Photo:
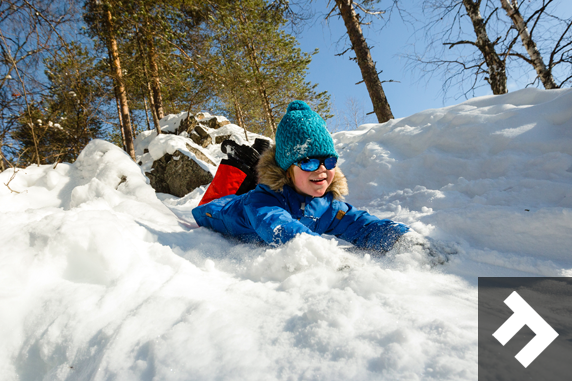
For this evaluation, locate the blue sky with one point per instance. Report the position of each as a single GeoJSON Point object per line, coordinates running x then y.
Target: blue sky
{"type": "Point", "coordinates": [338, 75]}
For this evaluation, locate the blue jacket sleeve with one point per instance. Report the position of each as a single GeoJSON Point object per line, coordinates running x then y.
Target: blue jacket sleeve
{"type": "Point", "coordinates": [274, 224]}
{"type": "Point", "coordinates": [366, 231]}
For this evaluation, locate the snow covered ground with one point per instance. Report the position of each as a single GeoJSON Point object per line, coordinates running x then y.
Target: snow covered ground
{"type": "Point", "coordinates": [101, 279]}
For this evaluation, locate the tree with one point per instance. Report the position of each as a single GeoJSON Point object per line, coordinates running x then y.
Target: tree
{"type": "Point", "coordinates": [258, 67]}
{"type": "Point", "coordinates": [100, 19]}
{"type": "Point", "coordinates": [30, 30]}
{"type": "Point", "coordinates": [69, 115]}
{"type": "Point", "coordinates": [536, 60]}
{"type": "Point", "coordinates": [460, 49]}
{"type": "Point", "coordinates": [497, 53]}
{"type": "Point", "coordinates": [359, 45]}
{"type": "Point", "coordinates": [543, 31]}
{"type": "Point", "coordinates": [350, 117]}
{"type": "Point", "coordinates": [155, 71]}
{"type": "Point", "coordinates": [495, 65]}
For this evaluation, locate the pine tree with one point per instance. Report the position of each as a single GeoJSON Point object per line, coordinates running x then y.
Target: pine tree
{"type": "Point", "coordinates": [260, 68]}
{"type": "Point", "coordinates": [69, 116]}
{"type": "Point", "coordinates": [104, 19]}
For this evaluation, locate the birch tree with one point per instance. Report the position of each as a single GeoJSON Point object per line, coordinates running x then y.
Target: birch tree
{"type": "Point", "coordinates": [495, 65]}
{"type": "Point", "coordinates": [561, 47]}
{"type": "Point", "coordinates": [461, 49]}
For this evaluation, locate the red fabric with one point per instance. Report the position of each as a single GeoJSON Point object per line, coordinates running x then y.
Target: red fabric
{"type": "Point", "coordinates": [226, 181]}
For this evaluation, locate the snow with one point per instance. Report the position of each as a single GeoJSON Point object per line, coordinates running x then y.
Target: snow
{"type": "Point", "coordinates": [103, 279]}
{"type": "Point", "coordinates": [149, 147]}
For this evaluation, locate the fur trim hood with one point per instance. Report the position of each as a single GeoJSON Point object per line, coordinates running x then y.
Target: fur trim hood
{"type": "Point", "coordinates": [270, 174]}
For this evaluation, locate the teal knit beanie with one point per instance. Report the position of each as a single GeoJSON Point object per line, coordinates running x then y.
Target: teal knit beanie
{"type": "Point", "coordinates": [302, 133]}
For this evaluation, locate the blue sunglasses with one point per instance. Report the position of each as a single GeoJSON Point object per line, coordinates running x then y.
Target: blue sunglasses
{"type": "Point", "coordinates": [310, 165]}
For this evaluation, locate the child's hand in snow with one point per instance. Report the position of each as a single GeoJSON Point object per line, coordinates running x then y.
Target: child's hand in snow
{"type": "Point", "coordinates": [415, 242]}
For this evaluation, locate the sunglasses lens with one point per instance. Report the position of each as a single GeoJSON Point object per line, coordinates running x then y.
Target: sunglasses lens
{"type": "Point", "coordinates": [330, 162]}
{"type": "Point", "coordinates": [309, 165]}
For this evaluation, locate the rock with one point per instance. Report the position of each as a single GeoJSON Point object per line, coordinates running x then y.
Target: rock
{"type": "Point", "coordinates": [215, 122]}
{"type": "Point", "coordinates": [203, 120]}
{"type": "Point", "coordinates": [185, 125]}
{"type": "Point", "coordinates": [221, 138]}
{"type": "Point", "coordinates": [157, 174]}
{"type": "Point", "coordinates": [211, 122]}
{"type": "Point", "coordinates": [199, 154]}
{"type": "Point", "coordinates": [202, 115]}
{"type": "Point", "coordinates": [222, 121]}
{"type": "Point", "coordinates": [201, 131]}
{"type": "Point", "coordinates": [183, 175]}
{"type": "Point", "coordinates": [200, 137]}
{"type": "Point", "coordinates": [178, 174]}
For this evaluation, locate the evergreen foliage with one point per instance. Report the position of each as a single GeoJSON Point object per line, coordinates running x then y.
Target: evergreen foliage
{"type": "Point", "coordinates": [259, 67]}
{"type": "Point", "coordinates": [222, 56]}
{"type": "Point", "coordinates": [69, 115]}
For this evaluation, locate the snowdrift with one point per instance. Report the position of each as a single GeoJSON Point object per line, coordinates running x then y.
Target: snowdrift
{"type": "Point", "coordinates": [102, 279]}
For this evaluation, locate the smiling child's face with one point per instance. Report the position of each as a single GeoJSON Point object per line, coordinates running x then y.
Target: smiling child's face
{"type": "Point", "coordinates": [314, 183]}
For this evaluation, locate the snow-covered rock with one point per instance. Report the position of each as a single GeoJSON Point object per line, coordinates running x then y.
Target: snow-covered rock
{"type": "Point", "coordinates": [186, 157]}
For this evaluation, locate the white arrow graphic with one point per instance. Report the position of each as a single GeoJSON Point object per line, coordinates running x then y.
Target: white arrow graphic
{"type": "Point", "coordinates": [523, 315]}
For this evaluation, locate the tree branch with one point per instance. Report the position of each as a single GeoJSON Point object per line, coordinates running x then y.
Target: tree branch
{"type": "Point", "coordinates": [368, 11]}
{"type": "Point", "coordinates": [30, 124]}
{"type": "Point", "coordinates": [463, 42]}
{"type": "Point", "coordinates": [344, 52]}
{"type": "Point", "coordinates": [556, 47]}
{"type": "Point", "coordinates": [331, 11]}
{"type": "Point", "coordinates": [491, 15]}
{"type": "Point", "coordinates": [521, 56]}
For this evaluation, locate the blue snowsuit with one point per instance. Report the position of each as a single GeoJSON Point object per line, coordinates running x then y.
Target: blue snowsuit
{"type": "Point", "coordinates": [273, 217]}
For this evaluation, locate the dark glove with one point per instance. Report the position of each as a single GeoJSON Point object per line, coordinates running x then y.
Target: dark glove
{"type": "Point", "coordinates": [245, 158]}
{"type": "Point", "coordinates": [438, 252]}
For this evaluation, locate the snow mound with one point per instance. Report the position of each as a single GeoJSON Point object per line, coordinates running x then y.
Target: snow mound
{"type": "Point", "coordinates": [494, 172]}
{"type": "Point", "coordinates": [104, 280]}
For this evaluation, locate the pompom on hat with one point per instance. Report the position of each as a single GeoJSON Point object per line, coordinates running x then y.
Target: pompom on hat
{"type": "Point", "coordinates": [302, 133]}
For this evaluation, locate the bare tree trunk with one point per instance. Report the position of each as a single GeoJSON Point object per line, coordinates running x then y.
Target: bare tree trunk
{"type": "Point", "coordinates": [156, 118]}
{"type": "Point", "coordinates": [496, 66]}
{"type": "Point", "coordinates": [118, 78]}
{"type": "Point", "coordinates": [11, 59]}
{"type": "Point", "coordinates": [146, 113]}
{"type": "Point", "coordinates": [149, 91]}
{"type": "Point", "coordinates": [544, 73]}
{"type": "Point", "coordinates": [260, 84]}
{"type": "Point", "coordinates": [155, 82]}
{"type": "Point", "coordinates": [118, 104]}
{"type": "Point", "coordinates": [367, 66]}
{"type": "Point", "coordinates": [239, 116]}
{"type": "Point", "coordinates": [3, 162]}
{"type": "Point", "coordinates": [267, 108]}
{"type": "Point", "coordinates": [261, 89]}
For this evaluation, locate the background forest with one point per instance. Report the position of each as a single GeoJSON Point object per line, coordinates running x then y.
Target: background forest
{"type": "Point", "coordinates": [72, 71]}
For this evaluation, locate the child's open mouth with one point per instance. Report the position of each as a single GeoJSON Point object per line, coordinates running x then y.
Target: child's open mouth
{"type": "Point", "coordinates": [318, 181]}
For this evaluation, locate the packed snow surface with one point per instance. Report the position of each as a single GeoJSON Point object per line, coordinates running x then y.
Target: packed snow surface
{"type": "Point", "coordinates": [102, 279]}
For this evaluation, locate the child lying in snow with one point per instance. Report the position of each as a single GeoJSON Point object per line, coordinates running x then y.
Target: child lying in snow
{"type": "Point", "coordinates": [300, 191]}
